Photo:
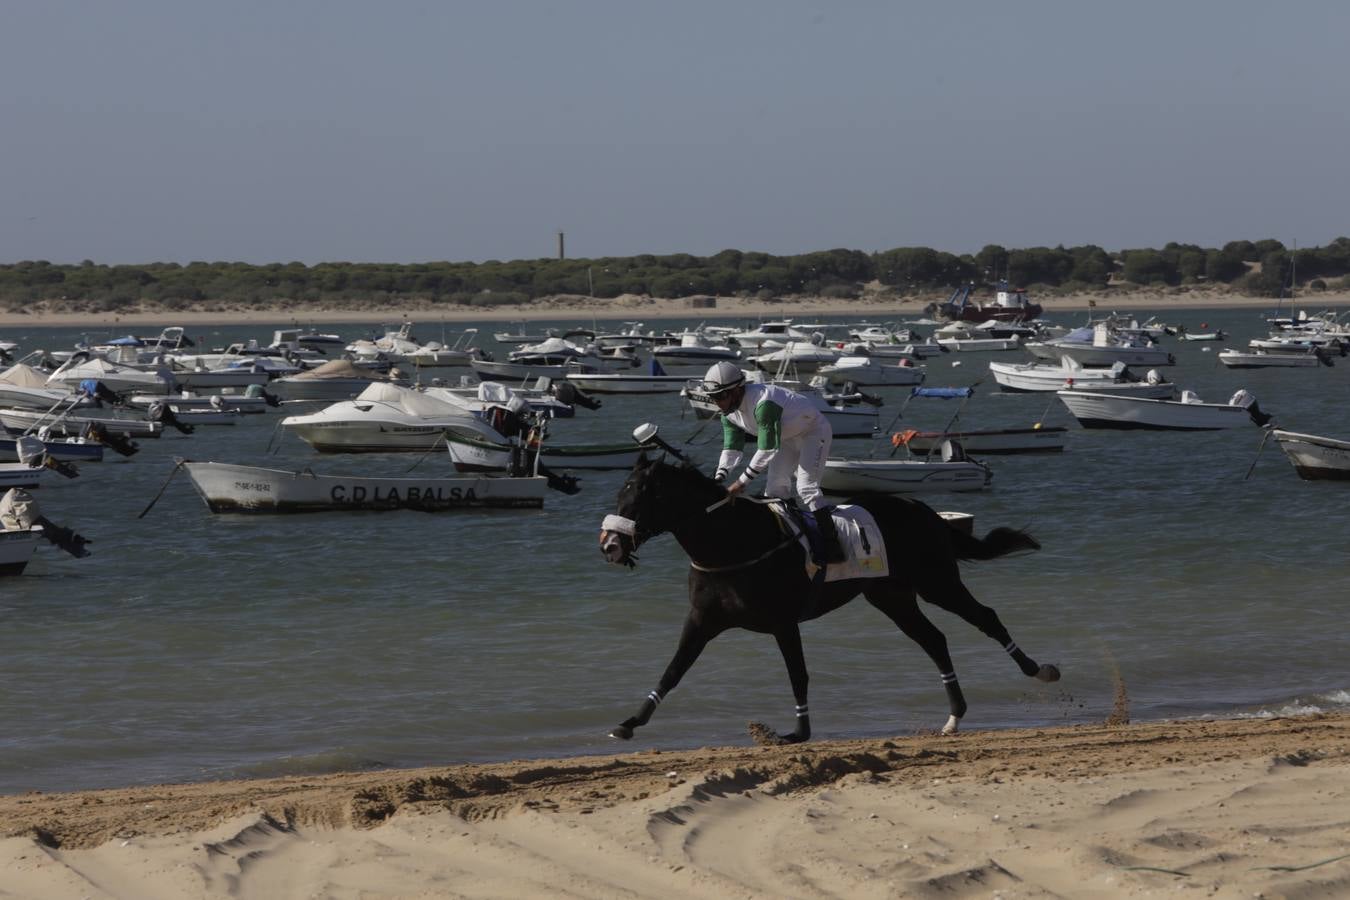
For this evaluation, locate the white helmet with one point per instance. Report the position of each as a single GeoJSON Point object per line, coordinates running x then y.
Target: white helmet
{"type": "Point", "coordinates": [722, 377]}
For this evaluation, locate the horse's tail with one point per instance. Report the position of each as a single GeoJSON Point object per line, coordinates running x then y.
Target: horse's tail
{"type": "Point", "coordinates": [999, 542]}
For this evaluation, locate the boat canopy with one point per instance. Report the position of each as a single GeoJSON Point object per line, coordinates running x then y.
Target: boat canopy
{"type": "Point", "coordinates": [338, 368]}
{"type": "Point", "coordinates": [942, 393]}
{"type": "Point", "coordinates": [413, 402]}
{"type": "Point", "coordinates": [24, 375]}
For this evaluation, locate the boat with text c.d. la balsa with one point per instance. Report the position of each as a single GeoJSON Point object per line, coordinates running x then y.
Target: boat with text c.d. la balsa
{"type": "Point", "coordinates": [234, 488]}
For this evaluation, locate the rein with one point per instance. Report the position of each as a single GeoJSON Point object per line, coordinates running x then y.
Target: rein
{"type": "Point", "coordinates": [712, 570]}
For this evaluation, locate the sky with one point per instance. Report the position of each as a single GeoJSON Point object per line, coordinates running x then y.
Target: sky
{"type": "Point", "coordinates": [183, 130]}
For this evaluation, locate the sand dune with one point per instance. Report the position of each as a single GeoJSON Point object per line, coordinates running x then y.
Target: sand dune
{"type": "Point", "coordinates": [1231, 808]}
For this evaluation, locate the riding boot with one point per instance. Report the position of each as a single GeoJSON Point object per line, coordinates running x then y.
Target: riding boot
{"type": "Point", "coordinates": [829, 537]}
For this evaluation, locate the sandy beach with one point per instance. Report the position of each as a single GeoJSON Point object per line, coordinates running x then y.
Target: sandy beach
{"type": "Point", "coordinates": [1235, 808]}
{"type": "Point", "coordinates": [582, 309]}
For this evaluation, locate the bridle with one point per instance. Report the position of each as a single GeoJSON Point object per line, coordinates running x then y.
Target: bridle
{"type": "Point", "coordinates": [639, 535]}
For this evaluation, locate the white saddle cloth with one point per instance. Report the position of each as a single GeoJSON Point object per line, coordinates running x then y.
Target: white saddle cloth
{"type": "Point", "coordinates": [860, 538]}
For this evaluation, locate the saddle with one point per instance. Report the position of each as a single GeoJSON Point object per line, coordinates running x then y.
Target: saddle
{"type": "Point", "coordinates": [859, 536]}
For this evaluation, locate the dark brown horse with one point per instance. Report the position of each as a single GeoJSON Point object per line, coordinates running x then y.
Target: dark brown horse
{"type": "Point", "coordinates": [746, 574]}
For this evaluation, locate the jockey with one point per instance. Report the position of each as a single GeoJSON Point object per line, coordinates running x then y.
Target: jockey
{"type": "Point", "coordinates": [793, 436]}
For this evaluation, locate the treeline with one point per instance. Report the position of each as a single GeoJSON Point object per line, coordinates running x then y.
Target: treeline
{"type": "Point", "coordinates": [1260, 268]}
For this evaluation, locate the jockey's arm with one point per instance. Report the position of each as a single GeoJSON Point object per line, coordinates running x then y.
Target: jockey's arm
{"type": "Point", "coordinates": [733, 444]}
{"type": "Point", "coordinates": [769, 422]}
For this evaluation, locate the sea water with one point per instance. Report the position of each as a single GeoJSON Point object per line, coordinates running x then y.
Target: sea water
{"type": "Point", "coordinates": [199, 646]}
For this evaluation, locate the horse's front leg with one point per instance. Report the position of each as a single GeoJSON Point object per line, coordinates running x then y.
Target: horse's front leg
{"type": "Point", "coordinates": [693, 639]}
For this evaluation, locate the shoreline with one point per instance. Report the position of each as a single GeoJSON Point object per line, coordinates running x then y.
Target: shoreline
{"type": "Point", "coordinates": [1233, 806]}
{"type": "Point", "coordinates": [582, 309]}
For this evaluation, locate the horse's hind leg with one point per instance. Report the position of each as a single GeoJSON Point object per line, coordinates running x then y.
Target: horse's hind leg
{"type": "Point", "coordinates": [900, 607]}
{"type": "Point", "coordinates": [693, 639]}
{"type": "Point", "coordinates": [951, 594]}
{"type": "Point", "coordinates": [789, 640]}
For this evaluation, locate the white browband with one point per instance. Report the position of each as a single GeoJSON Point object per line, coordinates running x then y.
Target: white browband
{"type": "Point", "coordinates": [619, 524]}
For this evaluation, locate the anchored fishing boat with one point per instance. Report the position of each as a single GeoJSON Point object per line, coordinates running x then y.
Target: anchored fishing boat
{"type": "Point", "coordinates": [233, 488]}
{"type": "Point", "coordinates": [1315, 458]}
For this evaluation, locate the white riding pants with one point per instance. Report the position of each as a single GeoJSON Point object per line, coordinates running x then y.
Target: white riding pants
{"type": "Point", "coordinates": [802, 456]}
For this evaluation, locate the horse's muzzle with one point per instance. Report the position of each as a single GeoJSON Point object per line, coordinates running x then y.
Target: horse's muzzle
{"type": "Point", "coordinates": [616, 547]}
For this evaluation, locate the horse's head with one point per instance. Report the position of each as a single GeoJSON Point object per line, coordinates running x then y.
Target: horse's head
{"type": "Point", "coordinates": [655, 497]}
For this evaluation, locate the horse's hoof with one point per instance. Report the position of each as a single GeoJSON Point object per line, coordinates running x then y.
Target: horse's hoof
{"type": "Point", "coordinates": [622, 732]}
{"type": "Point", "coordinates": [1047, 673]}
{"type": "Point", "coordinates": [953, 723]}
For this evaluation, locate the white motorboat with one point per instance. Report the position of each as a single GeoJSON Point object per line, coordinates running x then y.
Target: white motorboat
{"type": "Point", "coordinates": [337, 379]}
{"type": "Point", "coordinates": [75, 424]}
{"type": "Point", "coordinates": [24, 387]}
{"type": "Point", "coordinates": [869, 371]}
{"type": "Point", "coordinates": [769, 334]}
{"type": "Point", "coordinates": [903, 476]}
{"type": "Point", "coordinates": [387, 418]}
{"type": "Point", "coordinates": [693, 355]}
{"type": "Point", "coordinates": [552, 358]}
{"type": "Point", "coordinates": [62, 449]}
{"type": "Point", "coordinates": [400, 346]}
{"type": "Point", "coordinates": [20, 475]}
{"type": "Point", "coordinates": [989, 441]}
{"type": "Point", "coordinates": [522, 335]}
{"type": "Point", "coordinates": [1094, 409]}
{"type": "Point", "coordinates": [1041, 376]}
{"type": "Point", "coordinates": [117, 378]}
{"type": "Point", "coordinates": [914, 352]}
{"type": "Point", "coordinates": [1101, 346]}
{"type": "Point", "coordinates": [1315, 458]}
{"type": "Point", "coordinates": [798, 356]}
{"type": "Point", "coordinates": [965, 337]}
{"type": "Point", "coordinates": [220, 402]}
{"type": "Point", "coordinates": [655, 381]}
{"type": "Point", "coordinates": [234, 488]}
{"type": "Point", "coordinates": [1308, 358]}
{"type": "Point", "coordinates": [238, 374]}
{"type": "Point", "coordinates": [472, 454]}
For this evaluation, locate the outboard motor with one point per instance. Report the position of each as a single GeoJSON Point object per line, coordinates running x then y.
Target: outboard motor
{"type": "Point", "coordinates": [119, 443]}
{"type": "Point", "coordinates": [1324, 355]}
{"type": "Point", "coordinates": [160, 411]}
{"type": "Point", "coordinates": [567, 392]}
{"type": "Point", "coordinates": [257, 390]}
{"type": "Point", "coordinates": [100, 392]}
{"type": "Point", "coordinates": [19, 512]}
{"type": "Point", "coordinates": [33, 453]}
{"type": "Point", "coordinates": [510, 419]}
{"type": "Point", "coordinates": [1247, 401]}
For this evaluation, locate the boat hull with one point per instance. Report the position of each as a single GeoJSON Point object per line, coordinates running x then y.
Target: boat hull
{"type": "Point", "coordinates": [471, 455]}
{"type": "Point", "coordinates": [16, 549]}
{"type": "Point", "coordinates": [62, 451]}
{"type": "Point", "coordinates": [1100, 410]}
{"type": "Point", "coordinates": [1315, 458]}
{"type": "Point", "coordinates": [615, 383]}
{"type": "Point", "coordinates": [22, 419]}
{"type": "Point", "coordinates": [902, 476]}
{"type": "Point", "coordinates": [992, 441]}
{"type": "Point", "coordinates": [232, 488]}
{"type": "Point", "coordinates": [1236, 359]}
